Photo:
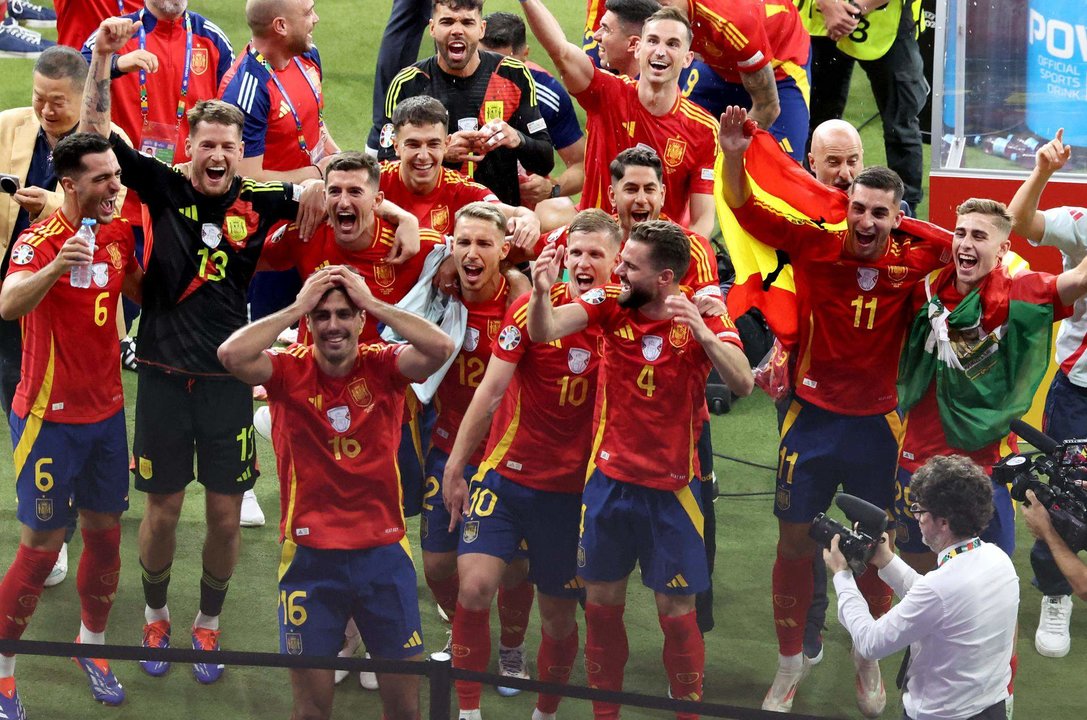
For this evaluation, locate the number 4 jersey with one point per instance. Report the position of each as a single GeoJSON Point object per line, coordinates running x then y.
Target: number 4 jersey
{"type": "Point", "coordinates": [652, 395]}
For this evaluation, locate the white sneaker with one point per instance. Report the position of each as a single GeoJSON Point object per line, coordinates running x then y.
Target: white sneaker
{"type": "Point", "coordinates": [262, 422]}
{"type": "Point", "coordinates": [368, 680]}
{"type": "Point", "coordinates": [1052, 638]}
{"type": "Point", "coordinates": [60, 569]}
{"type": "Point", "coordinates": [443, 616]}
{"type": "Point", "coordinates": [470, 715]}
{"type": "Point", "coordinates": [511, 663]}
{"type": "Point", "coordinates": [791, 670]}
{"type": "Point", "coordinates": [537, 715]}
{"type": "Point", "coordinates": [252, 515]}
{"type": "Point", "coordinates": [350, 645]}
{"type": "Point", "coordinates": [871, 695]}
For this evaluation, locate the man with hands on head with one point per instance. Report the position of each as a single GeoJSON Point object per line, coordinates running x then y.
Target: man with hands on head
{"type": "Point", "coordinates": [959, 619]}
{"type": "Point", "coordinates": [658, 351]}
{"type": "Point", "coordinates": [209, 230]}
{"type": "Point", "coordinates": [345, 554]}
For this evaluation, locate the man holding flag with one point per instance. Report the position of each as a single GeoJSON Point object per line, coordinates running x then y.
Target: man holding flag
{"type": "Point", "coordinates": [856, 259]}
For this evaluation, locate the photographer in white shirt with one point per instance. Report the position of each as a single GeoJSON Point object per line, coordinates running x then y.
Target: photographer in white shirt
{"type": "Point", "coordinates": [959, 619]}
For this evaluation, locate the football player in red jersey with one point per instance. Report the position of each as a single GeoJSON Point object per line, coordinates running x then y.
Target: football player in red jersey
{"type": "Point", "coordinates": [345, 554]}
{"type": "Point", "coordinates": [853, 287]}
{"type": "Point", "coordinates": [651, 110]}
{"type": "Point", "coordinates": [479, 246]}
{"type": "Point", "coordinates": [530, 487]}
{"type": "Point", "coordinates": [640, 507]}
{"type": "Point", "coordinates": [68, 420]}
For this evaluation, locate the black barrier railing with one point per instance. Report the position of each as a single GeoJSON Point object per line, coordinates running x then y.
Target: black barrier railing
{"type": "Point", "coordinates": [438, 670]}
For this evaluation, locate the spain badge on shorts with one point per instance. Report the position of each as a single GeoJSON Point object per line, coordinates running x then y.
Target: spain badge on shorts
{"type": "Point", "coordinates": [43, 509]}
{"type": "Point", "coordinates": [293, 642]}
{"type": "Point", "coordinates": [471, 531]}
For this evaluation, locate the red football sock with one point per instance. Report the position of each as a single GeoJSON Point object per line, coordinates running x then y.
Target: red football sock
{"type": "Point", "coordinates": [875, 591]}
{"type": "Point", "coordinates": [21, 588]}
{"type": "Point", "coordinates": [99, 571]}
{"type": "Point", "coordinates": [606, 653]}
{"type": "Point", "coordinates": [684, 658]}
{"type": "Point", "coordinates": [553, 663]}
{"type": "Point", "coordinates": [514, 607]}
{"type": "Point", "coordinates": [1015, 671]}
{"type": "Point", "coordinates": [471, 650]}
{"type": "Point", "coordinates": [445, 593]}
{"type": "Point", "coordinates": [792, 592]}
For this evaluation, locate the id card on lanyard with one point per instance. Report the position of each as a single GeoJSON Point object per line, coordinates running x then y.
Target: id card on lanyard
{"type": "Point", "coordinates": [317, 153]}
{"type": "Point", "coordinates": [159, 140]}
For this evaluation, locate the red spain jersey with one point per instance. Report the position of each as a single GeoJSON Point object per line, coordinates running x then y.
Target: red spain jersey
{"type": "Point", "coordinates": [77, 19]}
{"type": "Point", "coordinates": [70, 369]}
{"type": "Point", "coordinates": [701, 277]}
{"type": "Point", "coordinates": [542, 433]}
{"type": "Point", "coordinates": [466, 373]}
{"type": "Point", "coordinates": [389, 283]}
{"type": "Point", "coordinates": [162, 129]}
{"type": "Point", "coordinates": [652, 396]}
{"type": "Point", "coordinates": [742, 36]}
{"type": "Point", "coordinates": [437, 209]}
{"type": "Point", "coordinates": [685, 138]}
{"type": "Point", "coordinates": [925, 437]}
{"type": "Point", "coordinates": [271, 103]}
{"type": "Point", "coordinates": [853, 315]}
{"type": "Point", "coordinates": [336, 441]}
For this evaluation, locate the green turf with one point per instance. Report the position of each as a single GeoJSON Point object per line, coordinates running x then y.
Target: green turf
{"type": "Point", "coordinates": [741, 652]}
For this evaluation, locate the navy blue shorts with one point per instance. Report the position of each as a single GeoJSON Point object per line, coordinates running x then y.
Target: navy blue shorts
{"type": "Point", "coordinates": [508, 520]}
{"type": "Point", "coordinates": [791, 126]}
{"type": "Point", "coordinates": [61, 464]}
{"type": "Point", "coordinates": [623, 524]}
{"type": "Point", "coordinates": [434, 524]}
{"type": "Point", "coordinates": [822, 450]}
{"type": "Point", "coordinates": [320, 589]}
{"type": "Point", "coordinates": [1001, 529]}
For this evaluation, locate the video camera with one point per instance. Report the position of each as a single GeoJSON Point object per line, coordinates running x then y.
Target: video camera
{"type": "Point", "coordinates": [1065, 464]}
{"type": "Point", "coordinates": [858, 543]}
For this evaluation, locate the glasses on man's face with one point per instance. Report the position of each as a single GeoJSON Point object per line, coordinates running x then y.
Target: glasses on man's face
{"type": "Point", "coordinates": [916, 509]}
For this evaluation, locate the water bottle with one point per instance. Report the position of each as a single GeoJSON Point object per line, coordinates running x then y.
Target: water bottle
{"type": "Point", "coordinates": [81, 274]}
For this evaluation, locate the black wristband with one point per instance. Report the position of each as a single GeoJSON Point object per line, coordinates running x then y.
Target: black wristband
{"type": "Point", "coordinates": [114, 71]}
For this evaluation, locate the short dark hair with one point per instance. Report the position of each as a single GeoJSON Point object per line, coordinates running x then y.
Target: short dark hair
{"type": "Point", "coordinates": [340, 289]}
{"type": "Point", "coordinates": [459, 5]}
{"type": "Point", "coordinates": [636, 157]}
{"type": "Point", "coordinates": [956, 489]}
{"type": "Point", "coordinates": [350, 161]}
{"type": "Point", "coordinates": [671, 13]}
{"type": "Point", "coordinates": [504, 29]}
{"type": "Point", "coordinates": [215, 112]}
{"type": "Point", "coordinates": [878, 177]}
{"type": "Point", "coordinates": [596, 220]}
{"type": "Point", "coordinates": [62, 63]}
{"type": "Point", "coordinates": [669, 247]}
{"type": "Point", "coordinates": [69, 153]}
{"type": "Point", "coordinates": [420, 110]}
{"type": "Point", "coordinates": [632, 13]}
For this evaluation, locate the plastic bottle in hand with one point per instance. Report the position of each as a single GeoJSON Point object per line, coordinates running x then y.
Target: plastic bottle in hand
{"type": "Point", "coordinates": [81, 274]}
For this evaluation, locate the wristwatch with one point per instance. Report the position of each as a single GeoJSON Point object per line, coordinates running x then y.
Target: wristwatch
{"type": "Point", "coordinates": [556, 190]}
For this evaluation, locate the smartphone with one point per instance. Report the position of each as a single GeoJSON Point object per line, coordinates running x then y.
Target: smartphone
{"type": "Point", "coordinates": [9, 183]}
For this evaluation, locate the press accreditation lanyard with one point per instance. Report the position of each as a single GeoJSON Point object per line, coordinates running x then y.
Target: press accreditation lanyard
{"type": "Point", "coordinates": [959, 550]}
{"type": "Point", "coordinates": [287, 98]}
{"type": "Point", "coordinates": [144, 109]}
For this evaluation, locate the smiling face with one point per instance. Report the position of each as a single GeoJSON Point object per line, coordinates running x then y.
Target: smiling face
{"type": "Point", "coordinates": [457, 34]}
{"type": "Point", "coordinates": [591, 258]}
{"type": "Point", "coordinates": [614, 43]}
{"type": "Point", "coordinates": [870, 218]}
{"type": "Point", "coordinates": [336, 325]}
{"type": "Point", "coordinates": [56, 104]}
{"type": "Point", "coordinates": [638, 196]}
{"type": "Point", "coordinates": [478, 250]}
{"type": "Point", "coordinates": [300, 18]}
{"type": "Point", "coordinates": [95, 188]}
{"type": "Point", "coordinates": [663, 52]}
{"type": "Point", "coordinates": [215, 150]}
{"type": "Point", "coordinates": [349, 200]}
{"type": "Point", "coordinates": [978, 248]}
{"type": "Point", "coordinates": [421, 149]}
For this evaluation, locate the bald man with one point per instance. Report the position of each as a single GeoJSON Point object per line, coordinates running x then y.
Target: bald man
{"type": "Point", "coordinates": [836, 154]}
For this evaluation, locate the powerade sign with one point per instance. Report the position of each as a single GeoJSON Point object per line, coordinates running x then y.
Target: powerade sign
{"type": "Point", "coordinates": [1057, 69]}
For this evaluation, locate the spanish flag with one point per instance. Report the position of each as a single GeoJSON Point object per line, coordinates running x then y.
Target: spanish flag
{"type": "Point", "coordinates": [764, 277]}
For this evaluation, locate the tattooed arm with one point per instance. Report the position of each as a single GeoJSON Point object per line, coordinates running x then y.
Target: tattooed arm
{"type": "Point", "coordinates": [763, 89]}
{"type": "Point", "coordinates": [112, 35]}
